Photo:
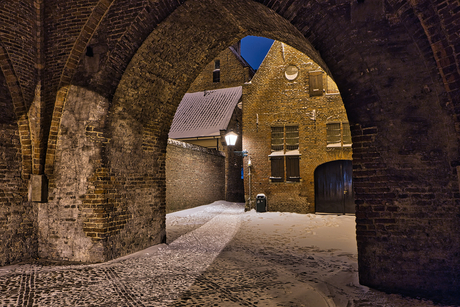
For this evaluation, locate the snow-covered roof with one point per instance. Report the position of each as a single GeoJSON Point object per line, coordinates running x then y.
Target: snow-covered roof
{"type": "Point", "coordinates": [204, 113]}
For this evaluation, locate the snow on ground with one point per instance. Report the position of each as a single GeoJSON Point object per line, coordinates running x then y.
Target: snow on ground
{"type": "Point", "coordinates": [217, 255]}
{"type": "Point", "coordinates": [283, 259]}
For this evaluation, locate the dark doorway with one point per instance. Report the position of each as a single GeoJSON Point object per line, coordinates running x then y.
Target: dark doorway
{"type": "Point", "coordinates": [334, 188]}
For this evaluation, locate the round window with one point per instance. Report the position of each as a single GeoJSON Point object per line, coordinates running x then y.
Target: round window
{"type": "Point", "coordinates": [291, 72]}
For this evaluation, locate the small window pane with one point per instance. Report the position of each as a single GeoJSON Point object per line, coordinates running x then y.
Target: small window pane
{"type": "Point", "coordinates": [333, 134]}
{"type": "Point", "coordinates": [277, 138]}
{"type": "Point", "coordinates": [217, 64]}
{"type": "Point", "coordinates": [292, 137]}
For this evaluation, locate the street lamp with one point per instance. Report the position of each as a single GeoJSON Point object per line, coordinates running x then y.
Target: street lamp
{"type": "Point", "coordinates": [230, 138]}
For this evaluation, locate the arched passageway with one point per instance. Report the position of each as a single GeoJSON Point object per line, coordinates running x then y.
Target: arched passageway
{"type": "Point", "coordinates": [106, 111]}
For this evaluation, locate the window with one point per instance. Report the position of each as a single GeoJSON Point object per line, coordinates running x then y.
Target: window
{"type": "Point", "coordinates": [277, 138]}
{"type": "Point", "coordinates": [316, 83]}
{"type": "Point", "coordinates": [292, 138]}
{"type": "Point", "coordinates": [285, 154]}
{"type": "Point", "coordinates": [216, 71]}
{"type": "Point", "coordinates": [338, 135]}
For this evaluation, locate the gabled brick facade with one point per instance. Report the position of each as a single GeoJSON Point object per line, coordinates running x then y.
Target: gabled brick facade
{"type": "Point", "coordinates": [234, 71]}
{"type": "Point", "coordinates": [271, 99]}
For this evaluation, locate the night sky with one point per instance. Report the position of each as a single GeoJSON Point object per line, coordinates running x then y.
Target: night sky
{"type": "Point", "coordinates": [254, 49]}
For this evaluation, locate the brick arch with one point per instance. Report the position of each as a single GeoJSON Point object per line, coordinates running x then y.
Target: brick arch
{"type": "Point", "coordinates": [20, 111]}
{"type": "Point", "coordinates": [105, 14]}
{"type": "Point", "coordinates": [437, 25]}
{"type": "Point", "coordinates": [162, 50]}
{"type": "Point", "coordinates": [79, 47]}
{"type": "Point", "coordinates": [398, 75]}
{"type": "Point", "coordinates": [438, 28]}
{"type": "Point", "coordinates": [127, 24]}
{"type": "Point", "coordinates": [403, 130]}
{"type": "Point", "coordinates": [68, 72]}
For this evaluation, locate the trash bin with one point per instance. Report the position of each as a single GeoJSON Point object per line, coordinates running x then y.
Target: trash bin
{"type": "Point", "coordinates": [261, 203]}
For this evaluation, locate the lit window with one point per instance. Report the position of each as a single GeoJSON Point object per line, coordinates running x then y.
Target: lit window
{"type": "Point", "coordinates": [285, 154]}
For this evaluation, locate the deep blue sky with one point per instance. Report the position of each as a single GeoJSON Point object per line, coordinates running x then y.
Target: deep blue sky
{"type": "Point", "coordinates": [254, 49]}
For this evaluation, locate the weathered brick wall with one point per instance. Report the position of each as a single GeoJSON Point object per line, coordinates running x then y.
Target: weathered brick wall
{"type": "Point", "coordinates": [17, 216]}
{"type": "Point", "coordinates": [272, 100]}
{"type": "Point", "coordinates": [194, 176]}
{"type": "Point", "coordinates": [72, 204]}
{"type": "Point", "coordinates": [404, 176]}
{"type": "Point", "coordinates": [135, 198]}
{"type": "Point", "coordinates": [106, 186]}
{"type": "Point", "coordinates": [115, 39]}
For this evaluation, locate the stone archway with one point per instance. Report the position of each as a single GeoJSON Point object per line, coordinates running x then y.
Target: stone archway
{"type": "Point", "coordinates": [394, 64]}
{"type": "Point", "coordinates": [403, 161]}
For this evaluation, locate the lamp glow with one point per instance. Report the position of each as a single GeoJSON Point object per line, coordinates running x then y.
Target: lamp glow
{"type": "Point", "coordinates": [230, 138]}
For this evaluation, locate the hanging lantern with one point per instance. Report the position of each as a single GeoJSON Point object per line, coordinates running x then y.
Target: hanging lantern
{"type": "Point", "coordinates": [230, 138]}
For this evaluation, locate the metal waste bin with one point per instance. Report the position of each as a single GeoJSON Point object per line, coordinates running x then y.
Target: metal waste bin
{"type": "Point", "coordinates": [261, 203]}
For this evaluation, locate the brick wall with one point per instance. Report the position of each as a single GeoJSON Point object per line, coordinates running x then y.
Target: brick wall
{"type": "Point", "coordinates": [234, 185]}
{"type": "Point", "coordinates": [194, 176]}
{"type": "Point", "coordinates": [272, 100]}
{"type": "Point", "coordinates": [17, 215]}
{"type": "Point", "coordinates": [394, 61]}
{"type": "Point", "coordinates": [64, 221]}
{"type": "Point", "coordinates": [18, 20]}
{"type": "Point", "coordinates": [107, 186]}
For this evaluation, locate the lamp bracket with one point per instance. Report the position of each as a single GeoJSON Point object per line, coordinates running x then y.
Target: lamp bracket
{"type": "Point", "coordinates": [243, 153]}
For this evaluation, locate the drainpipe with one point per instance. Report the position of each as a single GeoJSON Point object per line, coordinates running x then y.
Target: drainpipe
{"type": "Point", "coordinates": [249, 179]}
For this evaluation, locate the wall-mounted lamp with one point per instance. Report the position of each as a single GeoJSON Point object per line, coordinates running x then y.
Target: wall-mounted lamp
{"type": "Point", "coordinates": [230, 138]}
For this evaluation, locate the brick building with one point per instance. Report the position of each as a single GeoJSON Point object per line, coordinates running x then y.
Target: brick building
{"type": "Point", "coordinates": [228, 69]}
{"type": "Point", "coordinates": [293, 121]}
{"type": "Point", "coordinates": [88, 90]}
{"type": "Point", "coordinates": [210, 108]}
{"type": "Point", "coordinates": [192, 124]}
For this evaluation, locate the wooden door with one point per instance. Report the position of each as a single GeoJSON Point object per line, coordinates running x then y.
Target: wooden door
{"type": "Point", "coordinates": [334, 188]}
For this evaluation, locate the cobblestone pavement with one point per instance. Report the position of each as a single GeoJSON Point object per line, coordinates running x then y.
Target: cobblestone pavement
{"type": "Point", "coordinates": [214, 258]}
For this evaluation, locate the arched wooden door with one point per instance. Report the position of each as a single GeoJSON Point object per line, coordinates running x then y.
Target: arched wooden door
{"type": "Point", "coordinates": [334, 187]}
